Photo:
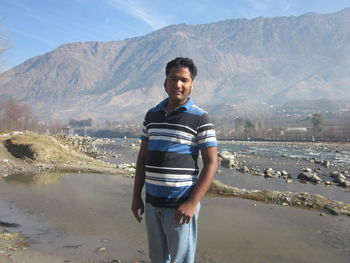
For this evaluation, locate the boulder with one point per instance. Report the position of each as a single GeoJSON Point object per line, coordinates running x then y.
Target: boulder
{"type": "Point", "coordinates": [309, 177]}
{"type": "Point", "coordinates": [326, 164]}
{"type": "Point", "coordinates": [226, 155]}
{"type": "Point", "coordinates": [244, 169]}
{"type": "Point", "coordinates": [228, 163]}
{"type": "Point", "coordinates": [306, 170]}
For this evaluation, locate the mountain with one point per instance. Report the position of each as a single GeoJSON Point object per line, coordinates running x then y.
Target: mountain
{"type": "Point", "coordinates": [248, 62]}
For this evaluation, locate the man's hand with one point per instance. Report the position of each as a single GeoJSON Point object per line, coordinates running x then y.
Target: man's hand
{"type": "Point", "coordinates": [185, 212]}
{"type": "Point", "coordinates": [138, 208]}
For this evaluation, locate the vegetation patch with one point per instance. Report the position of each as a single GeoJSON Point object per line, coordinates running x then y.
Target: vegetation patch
{"type": "Point", "coordinates": [302, 200]}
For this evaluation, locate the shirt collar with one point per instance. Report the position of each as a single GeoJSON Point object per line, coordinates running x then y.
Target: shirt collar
{"type": "Point", "coordinates": [185, 106]}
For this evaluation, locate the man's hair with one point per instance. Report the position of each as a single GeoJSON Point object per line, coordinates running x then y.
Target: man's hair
{"type": "Point", "coordinates": [182, 62]}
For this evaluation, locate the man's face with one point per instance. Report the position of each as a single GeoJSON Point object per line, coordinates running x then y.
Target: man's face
{"type": "Point", "coordinates": [178, 84]}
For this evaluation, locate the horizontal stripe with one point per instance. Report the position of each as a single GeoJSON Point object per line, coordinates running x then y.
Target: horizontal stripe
{"type": "Point", "coordinates": [168, 183]}
{"type": "Point", "coordinates": [174, 171]}
{"type": "Point", "coordinates": [171, 125]}
{"type": "Point", "coordinates": [205, 125]}
{"type": "Point", "coordinates": [206, 133]}
{"type": "Point", "coordinates": [208, 144]}
{"type": "Point", "coordinates": [171, 139]}
{"type": "Point", "coordinates": [170, 146]}
{"type": "Point", "coordinates": [172, 133]}
{"type": "Point", "coordinates": [168, 191]}
{"type": "Point", "coordinates": [172, 159]}
{"type": "Point", "coordinates": [165, 202]}
{"type": "Point", "coordinates": [171, 168]}
{"type": "Point", "coordinates": [164, 176]}
{"type": "Point", "coordinates": [151, 179]}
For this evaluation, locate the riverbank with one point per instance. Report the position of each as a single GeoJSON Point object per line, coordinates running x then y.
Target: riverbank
{"type": "Point", "coordinates": [33, 153]}
{"type": "Point", "coordinates": [39, 160]}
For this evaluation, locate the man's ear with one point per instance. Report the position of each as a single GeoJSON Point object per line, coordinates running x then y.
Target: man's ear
{"type": "Point", "coordinates": [164, 84]}
{"type": "Point", "coordinates": [191, 89]}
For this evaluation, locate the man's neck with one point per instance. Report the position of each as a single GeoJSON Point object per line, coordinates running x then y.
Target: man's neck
{"type": "Point", "coordinates": [173, 105]}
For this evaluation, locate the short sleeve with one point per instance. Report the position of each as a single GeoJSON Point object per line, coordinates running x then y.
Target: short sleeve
{"type": "Point", "coordinates": [206, 136]}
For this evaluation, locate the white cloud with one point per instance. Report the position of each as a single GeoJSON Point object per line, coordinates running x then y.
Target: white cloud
{"type": "Point", "coordinates": [134, 9]}
{"type": "Point", "coordinates": [258, 5]}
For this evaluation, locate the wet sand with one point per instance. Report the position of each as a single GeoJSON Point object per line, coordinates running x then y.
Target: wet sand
{"type": "Point", "coordinates": [87, 218]}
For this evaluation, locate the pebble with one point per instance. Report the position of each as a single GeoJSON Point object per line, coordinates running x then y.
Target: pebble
{"type": "Point", "coordinates": [101, 249]}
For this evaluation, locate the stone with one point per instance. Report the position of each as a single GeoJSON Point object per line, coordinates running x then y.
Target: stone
{"type": "Point", "coordinates": [101, 249]}
{"type": "Point", "coordinates": [309, 177]}
{"type": "Point", "coordinates": [224, 155]}
{"type": "Point", "coordinates": [289, 179]}
{"type": "Point", "coordinates": [284, 172]}
{"type": "Point", "coordinates": [228, 163]}
{"type": "Point", "coordinates": [333, 211]}
{"type": "Point", "coordinates": [244, 169]}
{"type": "Point", "coordinates": [307, 170]}
{"type": "Point", "coordinates": [326, 164]}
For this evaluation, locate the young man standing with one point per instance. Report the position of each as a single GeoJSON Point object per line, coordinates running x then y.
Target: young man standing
{"type": "Point", "coordinates": [173, 134]}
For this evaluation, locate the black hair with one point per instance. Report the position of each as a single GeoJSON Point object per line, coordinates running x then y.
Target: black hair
{"type": "Point", "coordinates": [182, 62]}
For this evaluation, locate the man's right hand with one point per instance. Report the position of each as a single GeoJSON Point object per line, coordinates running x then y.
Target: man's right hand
{"type": "Point", "coordinates": [138, 208]}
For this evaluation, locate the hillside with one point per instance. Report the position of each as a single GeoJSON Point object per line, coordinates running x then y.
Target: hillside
{"type": "Point", "coordinates": [243, 63]}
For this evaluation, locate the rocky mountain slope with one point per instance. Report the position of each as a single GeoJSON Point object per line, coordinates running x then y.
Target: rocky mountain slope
{"type": "Point", "coordinates": [241, 62]}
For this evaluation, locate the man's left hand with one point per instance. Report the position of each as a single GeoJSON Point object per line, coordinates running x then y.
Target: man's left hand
{"type": "Point", "coordinates": [184, 213]}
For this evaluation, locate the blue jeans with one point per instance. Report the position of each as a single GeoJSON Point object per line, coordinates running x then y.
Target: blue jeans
{"type": "Point", "coordinates": [168, 241]}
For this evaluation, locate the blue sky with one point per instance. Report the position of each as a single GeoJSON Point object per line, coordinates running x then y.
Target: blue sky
{"type": "Point", "coordinates": [34, 27]}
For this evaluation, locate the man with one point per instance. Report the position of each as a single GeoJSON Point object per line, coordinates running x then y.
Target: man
{"type": "Point", "coordinates": [173, 134]}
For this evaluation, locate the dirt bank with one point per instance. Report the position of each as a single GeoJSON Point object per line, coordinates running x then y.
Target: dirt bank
{"type": "Point", "coordinates": [28, 152]}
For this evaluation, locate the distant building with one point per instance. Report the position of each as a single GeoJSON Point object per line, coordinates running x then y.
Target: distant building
{"type": "Point", "coordinates": [296, 129]}
{"type": "Point", "coordinates": [67, 131]}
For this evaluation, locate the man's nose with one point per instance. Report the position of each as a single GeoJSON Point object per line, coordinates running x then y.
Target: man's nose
{"type": "Point", "coordinates": [178, 83]}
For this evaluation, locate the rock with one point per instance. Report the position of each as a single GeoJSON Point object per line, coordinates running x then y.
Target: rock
{"type": "Point", "coordinates": [226, 155]}
{"type": "Point", "coordinates": [338, 176]}
{"type": "Point", "coordinates": [289, 179]}
{"type": "Point", "coordinates": [228, 163]}
{"type": "Point", "coordinates": [333, 211]}
{"type": "Point", "coordinates": [342, 182]}
{"type": "Point", "coordinates": [7, 224]}
{"type": "Point", "coordinates": [309, 177]}
{"type": "Point", "coordinates": [244, 169]}
{"type": "Point", "coordinates": [101, 249]}
{"type": "Point", "coordinates": [270, 173]}
{"type": "Point", "coordinates": [326, 164]}
{"type": "Point", "coordinates": [284, 172]}
{"type": "Point", "coordinates": [307, 170]}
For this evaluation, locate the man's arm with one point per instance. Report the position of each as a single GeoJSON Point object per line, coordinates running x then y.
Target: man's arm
{"type": "Point", "coordinates": [186, 211]}
{"type": "Point", "coordinates": [137, 206]}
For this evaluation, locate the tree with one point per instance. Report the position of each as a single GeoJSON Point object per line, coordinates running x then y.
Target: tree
{"type": "Point", "coordinates": [239, 125]}
{"type": "Point", "coordinates": [317, 121]}
{"type": "Point", "coordinates": [80, 123]}
{"type": "Point", "coordinates": [15, 115]}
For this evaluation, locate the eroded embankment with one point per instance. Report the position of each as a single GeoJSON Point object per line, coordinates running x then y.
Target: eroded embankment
{"type": "Point", "coordinates": [28, 152]}
{"type": "Point", "coordinates": [302, 200]}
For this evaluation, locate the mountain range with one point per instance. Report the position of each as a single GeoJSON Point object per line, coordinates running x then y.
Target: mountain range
{"type": "Point", "coordinates": [243, 65]}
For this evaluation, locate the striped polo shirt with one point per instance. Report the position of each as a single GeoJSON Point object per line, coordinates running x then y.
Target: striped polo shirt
{"type": "Point", "coordinates": [174, 141]}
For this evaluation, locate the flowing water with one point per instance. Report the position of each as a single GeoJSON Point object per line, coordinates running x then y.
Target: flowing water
{"type": "Point", "coordinates": [87, 218]}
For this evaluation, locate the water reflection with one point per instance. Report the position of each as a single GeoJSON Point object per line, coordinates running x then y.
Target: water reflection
{"type": "Point", "coordinates": [34, 179]}
{"type": "Point", "coordinates": [81, 213]}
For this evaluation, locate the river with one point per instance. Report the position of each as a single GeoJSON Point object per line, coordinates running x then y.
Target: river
{"type": "Point", "coordinates": [87, 218]}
